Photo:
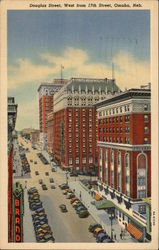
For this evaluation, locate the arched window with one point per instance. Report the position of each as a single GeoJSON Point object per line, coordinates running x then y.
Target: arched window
{"type": "Point", "coordinates": [141, 175]}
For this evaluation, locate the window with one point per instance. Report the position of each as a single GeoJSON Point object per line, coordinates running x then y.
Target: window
{"type": "Point", "coordinates": [145, 107]}
{"type": "Point", "coordinates": [70, 161]}
{"type": "Point", "coordinates": [109, 120]}
{"type": "Point", "coordinates": [127, 129]}
{"type": "Point", "coordinates": [141, 194]}
{"type": "Point", "coordinates": [145, 140]}
{"type": "Point", "coordinates": [110, 130]}
{"type": "Point", "coordinates": [117, 130]}
{"type": "Point", "coordinates": [127, 118]}
{"type": "Point", "coordinates": [113, 130]}
{"type": "Point", "coordinates": [120, 109]}
{"type": "Point", "coordinates": [121, 129]}
{"type": "Point", "coordinates": [121, 140]}
{"type": "Point", "coordinates": [117, 110]}
{"type": "Point", "coordinates": [121, 118]}
{"type": "Point", "coordinates": [113, 119]}
{"type": "Point", "coordinates": [146, 118]}
{"type": "Point", "coordinates": [142, 209]}
{"type": "Point", "coordinates": [117, 119]}
{"type": "Point", "coordinates": [146, 130]}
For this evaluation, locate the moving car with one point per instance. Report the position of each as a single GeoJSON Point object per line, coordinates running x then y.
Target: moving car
{"type": "Point", "coordinates": [44, 187]}
{"type": "Point", "coordinates": [80, 208]}
{"type": "Point", "coordinates": [40, 181]}
{"type": "Point", "coordinates": [63, 208]}
{"type": "Point", "coordinates": [63, 186]}
{"type": "Point", "coordinates": [35, 162]}
{"type": "Point", "coordinates": [36, 173]}
{"type": "Point", "coordinates": [52, 186]}
{"type": "Point", "coordinates": [47, 173]}
{"type": "Point", "coordinates": [93, 226]}
{"type": "Point", "coordinates": [51, 180]}
{"type": "Point", "coordinates": [53, 170]}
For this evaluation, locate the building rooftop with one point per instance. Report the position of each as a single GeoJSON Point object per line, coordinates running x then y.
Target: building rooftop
{"type": "Point", "coordinates": [128, 94]}
{"type": "Point", "coordinates": [92, 83]}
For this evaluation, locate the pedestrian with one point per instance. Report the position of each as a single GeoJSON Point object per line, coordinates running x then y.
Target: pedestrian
{"type": "Point", "coordinates": [120, 236]}
{"type": "Point", "coordinates": [80, 195]}
{"type": "Point", "coordinates": [114, 236]}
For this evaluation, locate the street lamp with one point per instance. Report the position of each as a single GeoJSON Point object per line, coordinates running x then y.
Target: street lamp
{"type": "Point", "coordinates": [111, 217]}
{"type": "Point", "coordinates": [66, 177]}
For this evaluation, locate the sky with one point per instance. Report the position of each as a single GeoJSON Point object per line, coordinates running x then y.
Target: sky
{"type": "Point", "coordinates": [85, 42]}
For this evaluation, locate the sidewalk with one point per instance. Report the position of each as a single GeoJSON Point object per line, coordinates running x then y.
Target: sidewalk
{"type": "Point", "coordinates": [100, 216]}
{"type": "Point", "coordinates": [28, 229]}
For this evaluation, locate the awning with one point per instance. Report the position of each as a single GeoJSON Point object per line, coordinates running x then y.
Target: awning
{"type": "Point", "coordinates": [65, 166]}
{"type": "Point", "coordinates": [104, 204]}
{"type": "Point", "coordinates": [97, 197]}
{"type": "Point", "coordinates": [136, 233]}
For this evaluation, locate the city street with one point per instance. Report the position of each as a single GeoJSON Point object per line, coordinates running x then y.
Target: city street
{"type": "Point", "coordinates": [66, 227]}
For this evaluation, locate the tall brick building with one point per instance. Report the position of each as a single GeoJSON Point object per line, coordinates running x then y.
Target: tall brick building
{"type": "Point", "coordinates": [46, 92]}
{"type": "Point", "coordinates": [75, 121]}
{"type": "Point", "coordinates": [124, 152]}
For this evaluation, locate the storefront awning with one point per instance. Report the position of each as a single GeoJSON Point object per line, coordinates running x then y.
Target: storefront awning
{"type": "Point", "coordinates": [97, 197]}
{"type": "Point", "coordinates": [135, 232]}
{"type": "Point", "coordinates": [104, 204]}
{"type": "Point", "coordinates": [65, 166]}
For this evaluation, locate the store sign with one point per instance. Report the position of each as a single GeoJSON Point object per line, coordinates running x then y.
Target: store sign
{"type": "Point", "coordinates": [17, 221]}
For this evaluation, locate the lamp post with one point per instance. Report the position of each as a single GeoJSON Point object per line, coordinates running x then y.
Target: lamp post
{"type": "Point", "coordinates": [111, 217]}
{"type": "Point", "coordinates": [66, 177]}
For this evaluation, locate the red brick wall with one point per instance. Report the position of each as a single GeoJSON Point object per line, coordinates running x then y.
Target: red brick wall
{"type": "Point", "coordinates": [58, 118]}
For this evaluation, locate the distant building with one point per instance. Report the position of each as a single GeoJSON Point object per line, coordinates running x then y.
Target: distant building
{"type": "Point", "coordinates": [34, 137]}
{"type": "Point", "coordinates": [75, 121]}
{"type": "Point", "coordinates": [124, 155]}
{"type": "Point", "coordinates": [46, 92]}
{"type": "Point", "coordinates": [12, 115]}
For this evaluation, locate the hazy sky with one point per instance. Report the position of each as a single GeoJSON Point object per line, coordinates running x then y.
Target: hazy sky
{"type": "Point", "coordinates": [84, 42]}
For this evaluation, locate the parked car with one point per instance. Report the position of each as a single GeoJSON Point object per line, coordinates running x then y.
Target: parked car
{"type": "Point", "coordinates": [31, 160]}
{"type": "Point", "coordinates": [74, 199]}
{"type": "Point", "coordinates": [46, 238]}
{"type": "Point", "coordinates": [73, 174]}
{"type": "Point", "coordinates": [80, 208]}
{"type": "Point", "coordinates": [34, 206]}
{"type": "Point", "coordinates": [32, 190]}
{"type": "Point", "coordinates": [101, 236]}
{"type": "Point", "coordinates": [77, 204]}
{"type": "Point", "coordinates": [35, 162]}
{"type": "Point", "coordinates": [93, 226]}
{"type": "Point", "coordinates": [40, 210]}
{"type": "Point", "coordinates": [97, 231]}
{"type": "Point", "coordinates": [63, 208]}
{"type": "Point", "coordinates": [36, 173]}
{"type": "Point", "coordinates": [83, 213]}
{"type": "Point", "coordinates": [53, 170]}
{"type": "Point", "coordinates": [70, 195]}
{"type": "Point", "coordinates": [47, 173]}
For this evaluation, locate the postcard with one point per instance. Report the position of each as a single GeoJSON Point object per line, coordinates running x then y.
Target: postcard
{"type": "Point", "coordinates": [79, 124]}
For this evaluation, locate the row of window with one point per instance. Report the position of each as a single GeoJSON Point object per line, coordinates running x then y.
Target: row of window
{"type": "Point", "coordinates": [83, 160]}
{"type": "Point", "coordinates": [119, 139]}
{"type": "Point", "coordinates": [119, 119]}
{"type": "Point", "coordinates": [122, 109]}
{"type": "Point", "coordinates": [109, 130]}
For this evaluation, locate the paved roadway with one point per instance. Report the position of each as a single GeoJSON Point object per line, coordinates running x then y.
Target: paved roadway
{"type": "Point", "coordinates": [66, 227]}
